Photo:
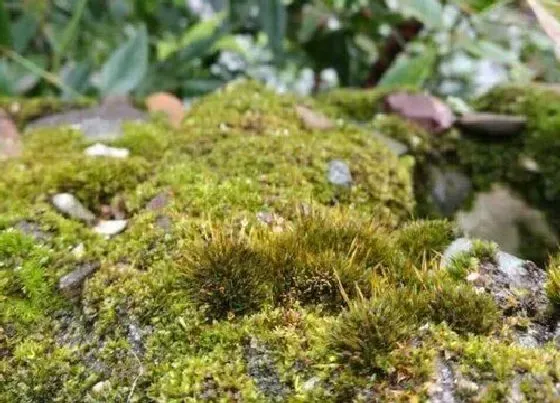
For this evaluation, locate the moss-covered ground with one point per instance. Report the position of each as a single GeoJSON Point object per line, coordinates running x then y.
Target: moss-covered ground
{"type": "Point", "coordinates": [335, 295]}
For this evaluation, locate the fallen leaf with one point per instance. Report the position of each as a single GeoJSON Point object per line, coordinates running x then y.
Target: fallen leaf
{"type": "Point", "coordinates": [313, 120]}
{"type": "Point", "coordinates": [427, 111]}
{"type": "Point", "coordinates": [169, 104]}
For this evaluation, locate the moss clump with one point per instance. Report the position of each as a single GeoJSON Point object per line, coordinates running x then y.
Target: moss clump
{"type": "Point", "coordinates": [255, 279]}
{"type": "Point", "coordinates": [359, 105]}
{"type": "Point", "coordinates": [502, 160]}
{"type": "Point", "coordinates": [23, 110]}
{"type": "Point", "coordinates": [424, 240]}
{"type": "Point", "coordinates": [553, 282]}
{"type": "Point", "coordinates": [27, 289]}
{"type": "Point", "coordinates": [372, 327]}
{"type": "Point", "coordinates": [228, 277]}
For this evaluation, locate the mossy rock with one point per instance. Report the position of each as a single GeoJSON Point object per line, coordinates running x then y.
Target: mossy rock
{"type": "Point", "coordinates": [257, 279]}
{"type": "Point", "coordinates": [505, 160]}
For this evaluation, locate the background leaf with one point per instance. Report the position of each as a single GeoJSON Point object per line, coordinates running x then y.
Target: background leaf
{"type": "Point", "coordinates": [549, 23]}
{"type": "Point", "coordinates": [126, 67]}
{"type": "Point", "coordinates": [69, 33]}
{"type": "Point", "coordinates": [410, 71]}
{"type": "Point", "coordinates": [5, 26]}
{"type": "Point", "coordinates": [428, 12]}
{"type": "Point", "coordinates": [273, 18]}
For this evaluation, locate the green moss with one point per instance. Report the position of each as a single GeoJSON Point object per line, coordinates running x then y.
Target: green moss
{"type": "Point", "coordinates": [355, 104]}
{"type": "Point", "coordinates": [553, 282]}
{"type": "Point", "coordinates": [258, 280]}
{"type": "Point", "coordinates": [23, 110]}
{"type": "Point", "coordinates": [501, 160]}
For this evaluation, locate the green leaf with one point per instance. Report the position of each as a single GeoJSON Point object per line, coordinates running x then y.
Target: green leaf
{"type": "Point", "coordinates": [490, 50]}
{"type": "Point", "coordinates": [76, 76]}
{"type": "Point", "coordinates": [23, 30]}
{"type": "Point", "coordinates": [476, 6]}
{"type": "Point", "coordinates": [272, 14]}
{"type": "Point", "coordinates": [69, 33]}
{"type": "Point", "coordinates": [195, 41]}
{"type": "Point", "coordinates": [126, 67]}
{"type": "Point", "coordinates": [428, 12]}
{"type": "Point", "coordinates": [5, 28]}
{"type": "Point", "coordinates": [410, 71]}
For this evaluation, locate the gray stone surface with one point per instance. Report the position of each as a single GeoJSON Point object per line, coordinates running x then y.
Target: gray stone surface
{"type": "Point", "coordinates": [68, 204]}
{"type": "Point", "coordinates": [339, 173]}
{"type": "Point", "coordinates": [517, 286]}
{"type": "Point", "coordinates": [99, 122]}
{"type": "Point", "coordinates": [496, 215]}
{"type": "Point", "coordinates": [33, 230]}
{"type": "Point", "coordinates": [450, 189]}
{"type": "Point", "coordinates": [71, 284]}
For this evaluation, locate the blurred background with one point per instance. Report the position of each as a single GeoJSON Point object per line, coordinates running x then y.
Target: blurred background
{"type": "Point", "coordinates": [458, 48]}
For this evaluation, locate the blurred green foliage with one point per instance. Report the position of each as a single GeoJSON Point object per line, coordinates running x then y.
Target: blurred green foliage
{"type": "Point", "coordinates": [189, 47]}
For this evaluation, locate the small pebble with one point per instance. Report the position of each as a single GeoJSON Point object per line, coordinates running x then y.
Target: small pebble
{"type": "Point", "coordinates": [110, 227]}
{"type": "Point", "coordinates": [101, 150]}
{"type": "Point", "coordinates": [68, 204]}
{"type": "Point", "coordinates": [339, 173]}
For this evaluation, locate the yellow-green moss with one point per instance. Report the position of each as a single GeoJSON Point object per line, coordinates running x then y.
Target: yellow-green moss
{"type": "Point", "coordinates": [23, 110]}
{"type": "Point", "coordinates": [493, 160]}
{"type": "Point", "coordinates": [257, 281]}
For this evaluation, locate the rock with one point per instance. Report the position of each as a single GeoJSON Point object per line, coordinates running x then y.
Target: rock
{"type": "Point", "coordinates": [313, 120]}
{"type": "Point", "coordinates": [101, 387]}
{"type": "Point", "coordinates": [500, 216]}
{"type": "Point", "coordinates": [79, 251]}
{"type": "Point", "coordinates": [429, 112]}
{"type": "Point", "coordinates": [164, 223]}
{"type": "Point", "coordinates": [110, 227]}
{"type": "Point", "coordinates": [339, 173]}
{"type": "Point", "coordinates": [450, 189]}
{"type": "Point", "coordinates": [529, 164]}
{"type": "Point", "coordinates": [272, 220]}
{"type": "Point", "coordinates": [492, 124]}
{"type": "Point", "coordinates": [101, 150]}
{"type": "Point", "coordinates": [310, 384]}
{"type": "Point", "coordinates": [100, 122]}
{"type": "Point", "coordinates": [396, 147]}
{"type": "Point", "coordinates": [517, 286]}
{"type": "Point", "coordinates": [262, 369]}
{"type": "Point", "coordinates": [169, 104]}
{"type": "Point", "coordinates": [68, 204]}
{"type": "Point", "coordinates": [266, 217]}
{"type": "Point", "coordinates": [159, 202]}
{"type": "Point", "coordinates": [33, 230]}
{"type": "Point", "coordinates": [71, 284]}
{"type": "Point", "coordinates": [10, 139]}
{"type": "Point", "coordinates": [443, 388]}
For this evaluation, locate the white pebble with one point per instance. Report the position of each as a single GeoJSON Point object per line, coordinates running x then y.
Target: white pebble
{"type": "Point", "coordinates": [67, 203]}
{"type": "Point", "coordinates": [101, 150]}
{"type": "Point", "coordinates": [110, 227]}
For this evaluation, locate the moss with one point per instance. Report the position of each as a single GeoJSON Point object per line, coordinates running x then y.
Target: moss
{"type": "Point", "coordinates": [501, 160]}
{"type": "Point", "coordinates": [23, 110]}
{"type": "Point", "coordinates": [355, 104]}
{"type": "Point", "coordinates": [424, 240]}
{"type": "Point", "coordinates": [258, 280]}
{"type": "Point", "coordinates": [553, 281]}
